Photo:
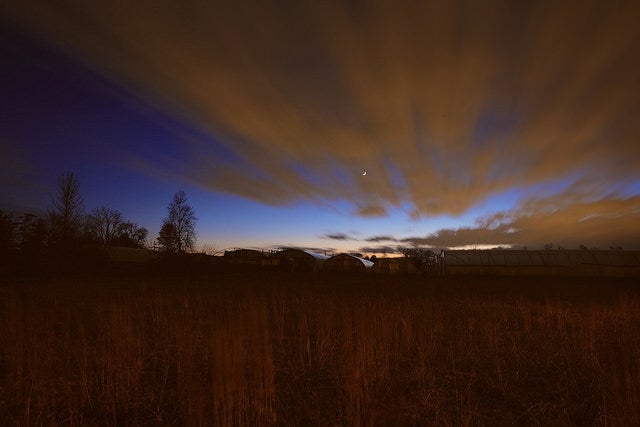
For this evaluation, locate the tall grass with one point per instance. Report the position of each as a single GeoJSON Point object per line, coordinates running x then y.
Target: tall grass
{"type": "Point", "coordinates": [299, 351]}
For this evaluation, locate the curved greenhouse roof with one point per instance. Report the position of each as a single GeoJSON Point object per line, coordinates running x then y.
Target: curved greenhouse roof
{"type": "Point", "coordinates": [582, 262]}
{"type": "Point", "coordinates": [347, 263]}
{"type": "Point", "coordinates": [542, 257]}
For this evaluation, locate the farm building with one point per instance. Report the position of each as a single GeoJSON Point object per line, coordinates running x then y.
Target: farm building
{"type": "Point", "coordinates": [345, 263]}
{"type": "Point", "coordinates": [544, 262]}
{"type": "Point", "coordinates": [399, 265]}
{"type": "Point", "coordinates": [244, 257]}
{"type": "Point", "coordinates": [296, 260]}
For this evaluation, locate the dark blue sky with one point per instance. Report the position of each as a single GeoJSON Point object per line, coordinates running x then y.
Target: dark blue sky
{"type": "Point", "coordinates": [477, 126]}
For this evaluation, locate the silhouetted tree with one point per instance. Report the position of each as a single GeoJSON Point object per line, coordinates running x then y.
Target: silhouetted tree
{"type": "Point", "coordinates": [183, 219]}
{"type": "Point", "coordinates": [417, 254]}
{"type": "Point", "coordinates": [168, 238]}
{"type": "Point", "coordinates": [67, 212]}
{"type": "Point", "coordinates": [131, 235]}
{"type": "Point", "coordinates": [421, 258]}
{"type": "Point", "coordinates": [103, 225]}
{"type": "Point", "coordinates": [107, 227]}
{"type": "Point", "coordinates": [211, 249]}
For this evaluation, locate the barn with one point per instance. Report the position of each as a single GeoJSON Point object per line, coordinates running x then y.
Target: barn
{"type": "Point", "coordinates": [297, 260]}
{"type": "Point", "coordinates": [582, 262]}
{"type": "Point", "coordinates": [345, 263]}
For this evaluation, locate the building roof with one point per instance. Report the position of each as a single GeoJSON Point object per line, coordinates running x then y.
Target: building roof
{"type": "Point", "coordinates": [555, 257]}
{"type": "Point", "coordinates": [299, 253]}
{"type": "Point", "coordinates": [347, 257]}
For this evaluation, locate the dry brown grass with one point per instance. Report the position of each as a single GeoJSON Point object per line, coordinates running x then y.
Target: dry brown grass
{"type": "Point", "coordinates": [319, 351]}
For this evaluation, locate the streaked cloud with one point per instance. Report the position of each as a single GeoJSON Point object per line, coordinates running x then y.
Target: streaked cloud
{"type": "Point", "coordinates": [337, 236]}
{"type": "Point", "coordinates": [614, 222]}
{"type": "Point", "coordinates": [381, 239]}
{"type": "Point", "coordinates": [379, 250]}
{"type": "Point", "coordinates": [371, 211]}
{"type": "Point", "coordinates": [443, 103]}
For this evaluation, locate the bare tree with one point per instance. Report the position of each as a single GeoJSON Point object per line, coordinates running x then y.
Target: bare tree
{"type": "Point", "coordinates": [418, 254]}
{"type": "Point", "coordinates": [108, 227]}
{"type": "Point", "coordinates": [104, 225]}
{"type": "Point", "coordinates": [132, 235]}
{"type": "Point", "coordinates": [67, 211]}
{"type": "Point", "coordinates": [210, 249]}
{"type": "Point", "coordinates": [183, 219]}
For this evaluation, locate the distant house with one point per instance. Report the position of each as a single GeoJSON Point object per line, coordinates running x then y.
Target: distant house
{"type": "Point", "coordinates": [345, 263]}
{"type": "Point", "coordinates": [296, 260]}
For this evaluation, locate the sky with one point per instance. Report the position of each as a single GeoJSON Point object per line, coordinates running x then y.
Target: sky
{"type": "Point", "coordinates": [479, 124]}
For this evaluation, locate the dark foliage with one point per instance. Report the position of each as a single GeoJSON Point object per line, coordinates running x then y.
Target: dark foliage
{"type": "Point", "coordinates": [168, 238]}
{"type": "Point", "coordinates": [66, 242]}
{"type": "Point", "coordinates": [131, 235]}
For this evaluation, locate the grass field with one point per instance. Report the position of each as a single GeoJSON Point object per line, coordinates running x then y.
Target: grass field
{"type": "Point", "coordinates": [285, 350]}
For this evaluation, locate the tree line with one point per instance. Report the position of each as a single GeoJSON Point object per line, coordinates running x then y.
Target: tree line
{"type": "Point", "coordinates": [68, 237]}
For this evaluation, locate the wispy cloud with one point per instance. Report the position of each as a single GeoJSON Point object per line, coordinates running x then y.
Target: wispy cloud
{"type": "Point", "coordinates": [381, 239]}
{"type": "Point", "coordinates": [536, 222]}
{"type": "Point", "coordinates": [372, 211]}
{"type": "Point", "coordinates": [379, 250]}
{"type": "Point", "coordinates": [337, 236]}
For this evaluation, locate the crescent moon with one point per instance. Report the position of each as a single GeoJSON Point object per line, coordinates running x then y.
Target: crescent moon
{"type": "Point", "coordinates": [364, 173]}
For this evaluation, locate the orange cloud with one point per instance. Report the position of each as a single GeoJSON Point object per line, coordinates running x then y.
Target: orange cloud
{"type": "Point", "coordinates": [444, 103]}
{"type": "Point", "coordinates": [560, 219]}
